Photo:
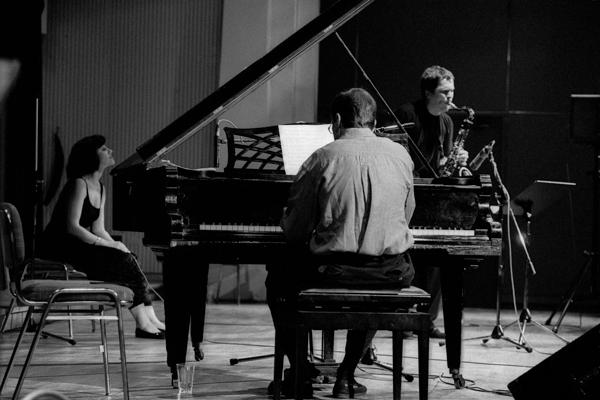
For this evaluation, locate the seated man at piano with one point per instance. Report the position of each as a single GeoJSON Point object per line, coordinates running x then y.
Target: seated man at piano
{"type": "Point", "coordinates": [433, 133]}
{"type": "Point", "coordinates": [347, 220]}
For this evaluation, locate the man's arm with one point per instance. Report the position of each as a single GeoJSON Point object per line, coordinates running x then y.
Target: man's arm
{"type": "Point", "coordinates": [409, 208]}
{"type": "Point", "coordinates": [300, 216]}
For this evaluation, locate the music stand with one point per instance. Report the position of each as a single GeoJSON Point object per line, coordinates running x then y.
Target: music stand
{"type": "Point", "coordinates": [584, 128]}
{"type": "Point", "coordinates": [531, 202]}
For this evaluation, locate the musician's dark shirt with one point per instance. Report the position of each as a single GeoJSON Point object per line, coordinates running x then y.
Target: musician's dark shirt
{"type": "Point", "coordinates": [354, 195]}
{"type": "Point", "coordinates": [432, 134]}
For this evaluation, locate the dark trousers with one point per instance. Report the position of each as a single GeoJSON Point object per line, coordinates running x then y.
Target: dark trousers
{"type": "Point", "coordinates": [285, 281]}
{"type": "Point", "coordinates": [428, 278]}
{"type": "Point", "coordinates": [98, 263]}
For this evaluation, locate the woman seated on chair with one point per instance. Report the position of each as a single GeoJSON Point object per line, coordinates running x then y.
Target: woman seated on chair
{"type": "Point", "coordinates": [76, 233]}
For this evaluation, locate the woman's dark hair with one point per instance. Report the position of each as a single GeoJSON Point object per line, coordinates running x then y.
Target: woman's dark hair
{"type": "Point", "coordinates": [356, 107]}
{"type": "Point", "coordinates": [83, 158]}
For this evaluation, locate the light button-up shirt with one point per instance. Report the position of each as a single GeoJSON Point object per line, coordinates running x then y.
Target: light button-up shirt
{"type": "Point", "coordinates": [353, 195]}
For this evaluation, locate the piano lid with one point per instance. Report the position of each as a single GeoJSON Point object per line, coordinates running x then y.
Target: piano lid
{"type": "Point", "coordinates": [243, 83]}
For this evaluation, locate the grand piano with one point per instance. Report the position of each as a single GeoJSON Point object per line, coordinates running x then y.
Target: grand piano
{"type": "Point", "coordinates": [191, 218]}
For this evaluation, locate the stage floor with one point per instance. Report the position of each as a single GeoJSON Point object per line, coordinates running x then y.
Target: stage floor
{"type": "Point", "coordinates": [236, 331]}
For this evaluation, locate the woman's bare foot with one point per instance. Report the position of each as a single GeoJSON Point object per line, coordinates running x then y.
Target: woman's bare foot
{"type": "Point", "coordinates": [142, 322]}
{"type": "Point", "coordinates": [151, 314]}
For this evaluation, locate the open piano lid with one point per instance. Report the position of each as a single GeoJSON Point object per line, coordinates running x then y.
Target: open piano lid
{"type": "Point", "coordinates": [243, 83]}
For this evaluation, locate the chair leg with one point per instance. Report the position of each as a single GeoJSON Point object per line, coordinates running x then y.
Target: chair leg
{"type": "Point", "coordinates": [34, 343]}
{"type": "Point", "coordinates": [104, 350]}
{"type": "Point", "coordinates": [122, 351]}
{"type": "Point", "coordinates": [7, 315]}
{"type": "Point", "coordinates": [278, 366]}
{"type": "Point", "coordinates": [70, 322]}
{"type": "Point", "coordinates": [16, 347]}
{"type": "Point", "coordinates": [397, 344]}
{"type": "Point", "coordinates": [423, 355]}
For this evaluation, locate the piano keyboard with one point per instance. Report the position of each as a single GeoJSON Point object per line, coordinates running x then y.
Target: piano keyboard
{"type": "Point", "coordinates": [241, 228]}
{"type": "Point", "coordinates": [417, 232]}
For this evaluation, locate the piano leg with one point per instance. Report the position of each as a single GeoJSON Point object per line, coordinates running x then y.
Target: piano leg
{"type": "Point", "coordinates": [185, 280]}
{"type": "Point", "coordinates": [198, 311]}
{"type": "Point", "coordinates": [452, 299]}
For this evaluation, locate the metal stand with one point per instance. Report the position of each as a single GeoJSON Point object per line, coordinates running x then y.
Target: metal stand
{"type": "Point", "coordinates": [592, 263]}
{"type": "Point", "coordinates": [234, 361]}
{"type": "Point", "coordinates": [311, 351]}
{"type": "Point", "coordinates": [567, 298]}
{"type": "Point", "coordinates": [370, 358]}
{"type": "Point", "coordinates": [525, 316]}
{"type": "Point", "coordinates": [498, 332]}
{"type": "Point", "coordinates": [44, 334]}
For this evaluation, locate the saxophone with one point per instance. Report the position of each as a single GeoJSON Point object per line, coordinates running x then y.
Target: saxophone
{"type": "Point", "coordinates": [451, 167]}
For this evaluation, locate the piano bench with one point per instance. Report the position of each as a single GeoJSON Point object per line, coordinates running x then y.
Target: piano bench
{"type": "Point", "coordinates": [329, 309]}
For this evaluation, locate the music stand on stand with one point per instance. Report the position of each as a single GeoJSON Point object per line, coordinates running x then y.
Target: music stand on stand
{"type": "Point", "coordinates": [529, 203]}
{"type": "Point", "coordinates": [584, 127]}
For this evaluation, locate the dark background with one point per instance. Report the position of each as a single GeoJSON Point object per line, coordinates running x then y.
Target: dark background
{"type": "Point", "coordinates": [516, 63]}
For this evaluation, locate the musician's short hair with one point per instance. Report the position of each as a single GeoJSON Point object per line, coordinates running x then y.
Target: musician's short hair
{"type": "Point", "coordinates": [83, 158]}
{"type": "Point", "coordinates": [432, 76]}
{"type": "Point", "coordinates": [356, 107]}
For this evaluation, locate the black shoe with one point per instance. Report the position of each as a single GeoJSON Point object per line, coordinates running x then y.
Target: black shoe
{"type": "Point", "coordinates": [435, 333]}
{"type": "Point", "coordinates": [142, 334]}
{"type": "Point", "coordinates": [343, 390]}
{"type": "Point", "coordinates": [198, 353]}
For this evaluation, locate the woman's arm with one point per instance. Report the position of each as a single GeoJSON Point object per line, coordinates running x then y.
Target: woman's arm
{"type": "Point", "coordinates": [74, 203]}
{"type": "Point", "coordinates": [98, 227]}
{"type": "Point", "coordinates": [104, 239]}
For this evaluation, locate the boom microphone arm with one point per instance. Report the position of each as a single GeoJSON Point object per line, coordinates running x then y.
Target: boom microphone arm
{"type": "Point", "coordinates": [411, 143]}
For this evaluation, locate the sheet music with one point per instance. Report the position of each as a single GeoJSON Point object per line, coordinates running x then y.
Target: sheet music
{"type": "Point", "coordinates": [298, 142]}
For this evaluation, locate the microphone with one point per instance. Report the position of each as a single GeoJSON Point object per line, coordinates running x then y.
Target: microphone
{"type": "Point", "coordinates": [392, 128]}
{"type": "Point", "coordinates": [483, 155]}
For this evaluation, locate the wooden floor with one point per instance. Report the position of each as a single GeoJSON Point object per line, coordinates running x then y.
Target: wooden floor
{"type": "Point", "coordinates": [235, 331]}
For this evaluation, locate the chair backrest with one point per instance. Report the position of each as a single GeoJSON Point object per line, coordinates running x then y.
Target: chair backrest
{"type": "Point", "coordinates": [12, 243]}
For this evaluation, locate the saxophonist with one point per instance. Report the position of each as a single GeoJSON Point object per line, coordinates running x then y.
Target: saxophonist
{"type": "Point", "coordinates": [433, 133]}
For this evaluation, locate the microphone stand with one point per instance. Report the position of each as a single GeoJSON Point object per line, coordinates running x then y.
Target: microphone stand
{"type": "Point", "coordinates": [525, 316]}
{"type": "Point", "coordinates": [498, 332]}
